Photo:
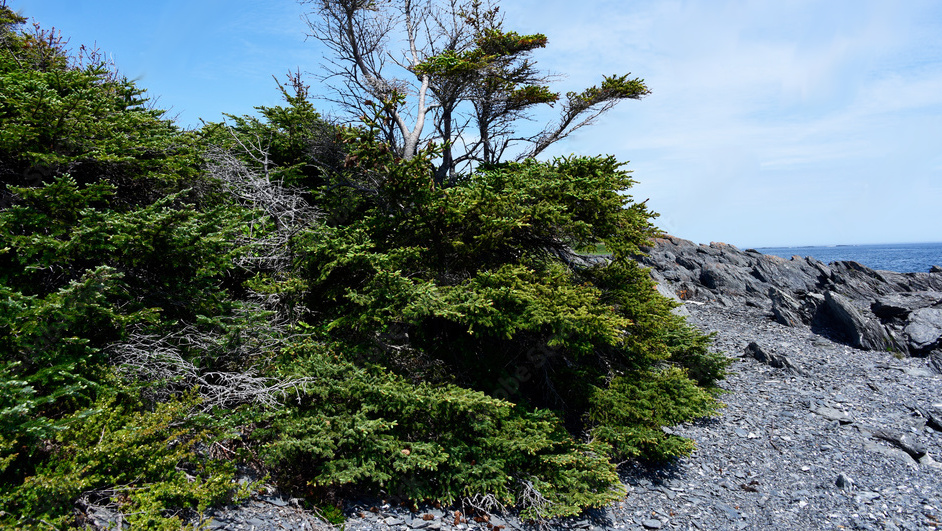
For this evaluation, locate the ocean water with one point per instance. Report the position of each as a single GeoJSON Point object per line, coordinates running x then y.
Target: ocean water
{"type": "Point", "coordinates": [900, 257]}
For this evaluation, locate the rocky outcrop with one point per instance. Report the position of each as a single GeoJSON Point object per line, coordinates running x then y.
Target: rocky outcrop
{"type": "Point", "coordinates": [924, 329]}
{"type": "Point", "coordinates": [846, 301]}
{"type": "Point", "coordinates": [777, 361]}
{"type": "Point", "coordinates": [857, 328]}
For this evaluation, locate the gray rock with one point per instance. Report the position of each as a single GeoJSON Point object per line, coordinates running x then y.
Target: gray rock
{"type": "Point", "coordinates": [834, 415]}
{"type": "Point", "coordinates": [497, 521]}
{"type": "Point", "coordinates": [785, 308]}
{"type": "Point", "coordinates": [667, 291]}
{"type": "Point", "coordinates": [894, 453]}
{"type": "Point", "coordinates": [652, 523]}
{"type": "Point", "coordinates": [918, 371]}
{"type": "Point", "coordinates": [844, 482]}
{"type": "Point", "coordinates": [933, 415]}
{"type": "Point", "coordinates": [104, 518]}
{"type": "Point", "coordinates": [900, 305]}
{"type": "Point", "coordinates": [903, 441]}
{"type": "Point", "coordinates": [935, 361]}
{"type": "Point", "coordinates": [849, 321]}
{"type": "Point", "coordinates": [867, 497]}
{"type": "Point", "coordinates": [724, 277]}
{"type": "Point", "coordinates": [872, 316]}
{"type": "Point", "coordinates": [924, 329]}
{"type": "Point", "coordinates": [276, 501]}
{"type": "Point", "coordinates": [773, 360]}
{"type": "Point", "coordinates": [731, 514]}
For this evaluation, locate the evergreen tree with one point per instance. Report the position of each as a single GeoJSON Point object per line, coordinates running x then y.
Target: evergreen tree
{"type": "Point", "coordinates": [64, 112]}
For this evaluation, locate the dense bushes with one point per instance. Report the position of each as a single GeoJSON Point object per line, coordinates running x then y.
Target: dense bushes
{"type": "Point", "coordinates": [369, 428]}
{"type": "Point", "coordinates": [286, 294]}
{"type": "Point", "coordinates": [72, 113]}
{"type": "Point", "coordinates": [477, 287]}
{"type": "Point", "coordinates": [97, 237]}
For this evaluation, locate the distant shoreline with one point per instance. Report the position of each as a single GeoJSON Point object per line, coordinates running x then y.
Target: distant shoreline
{"type": "Point", "coordinates": [899, 257]}
{"type": "Point", "coordinates": [831, 246]}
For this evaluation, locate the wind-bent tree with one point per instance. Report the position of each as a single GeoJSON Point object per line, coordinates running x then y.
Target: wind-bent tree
{"type": "Point", "coordinates": [358, 32]}
{"type": "Point", "coordinates": [458, 69]}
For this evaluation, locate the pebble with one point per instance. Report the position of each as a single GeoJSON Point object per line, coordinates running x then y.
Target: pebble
{"type": "Point", "coordinates": [844, 482]}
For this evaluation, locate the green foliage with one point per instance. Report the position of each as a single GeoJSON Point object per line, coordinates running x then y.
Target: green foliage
{"type": "Point", "coordinates": [495, 42]}
{"type": "Point", "coordinates": [493, 52]}
{"type": "Point", "coordinates": [613, 88]}
{"type": "Point", "coordinates": [74, 275]}
{"type": "Point", "coordinates": [452, 64]}
{"type": "Point", "coordinates": [86, 257]}
{"type": "Point", "coordinates": [291, 144]}
{"type": "Point", "coordinates": [169, 253]}
{"type": "Point", "coordinates": [373, 429]}
{"type": "Point", "coordinates": [50, 361]}
{"type": "Point", "coordinates": [690, 349]}
{"type": "Point", "coordinates": [630, 413]}
{"type": "Point", "coordinates": [426, 341]}
{"type": "Point", "coordinates": [144, 464]}
{"type": "Point", "coordinates": [63, 113]}
{"type": "Point", "coordinates": [475, 289]}
{"type": "Point", "coordinates": [528, 95]}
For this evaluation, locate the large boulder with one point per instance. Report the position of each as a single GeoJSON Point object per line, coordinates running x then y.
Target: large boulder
{"type": "Point", "coordinates": [665, 290]}
{"type": "Point", "coordinates": [924, 330]}
{"type": "Point", "coordinates": [860, 330]}
{"type": "Point", "coordinates": [724, 277]}
{"type": "Point", "coordinates": [796, 275]}
{"type": "Point", "coordinates": [899, 306]}
{"type": "Point", "coordinates": [785, 308]}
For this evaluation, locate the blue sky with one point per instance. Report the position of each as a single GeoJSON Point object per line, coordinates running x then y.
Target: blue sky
{"type": "Point", "coordinates": [770, 123]}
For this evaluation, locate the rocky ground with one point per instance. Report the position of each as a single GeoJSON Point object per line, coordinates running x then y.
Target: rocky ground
{"type": "Point", "coordinates": [817, 434]}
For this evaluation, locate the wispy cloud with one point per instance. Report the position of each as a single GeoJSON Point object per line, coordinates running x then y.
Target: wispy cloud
{"type": "Point", "coordinates": [764, 115]}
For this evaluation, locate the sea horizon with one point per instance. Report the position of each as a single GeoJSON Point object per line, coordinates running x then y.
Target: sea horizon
{"type": "Point", "coordinates": [828, 245]}
{"type": "Point", "coordinates": [900, 257]}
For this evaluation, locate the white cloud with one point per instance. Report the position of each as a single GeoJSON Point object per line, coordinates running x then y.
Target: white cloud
{"type": "Point", "coordinates": [769, 122]}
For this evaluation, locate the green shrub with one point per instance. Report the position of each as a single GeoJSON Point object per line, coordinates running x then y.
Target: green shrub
{"type": "Point", "coordinates": [371, 429]}
{"type": "Point", "coordinates": [630, 413]}
{"type": "Point", "coordinates": [444, 302]}
{"type": "Point", "coordinates": [72, 113]}
{"type": "Point", "coordinates": [142, 464]}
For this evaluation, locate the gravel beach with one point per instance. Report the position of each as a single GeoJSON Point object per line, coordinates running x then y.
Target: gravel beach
{"type": "Point", "coordinates": [837, 439]}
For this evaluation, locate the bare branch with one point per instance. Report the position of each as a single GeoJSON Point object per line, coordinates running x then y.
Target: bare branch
{"type": "Point", "coordinates": [193, 358]}
{"type": "Point", "coordinates": [529, 497]}
{"type": "Point", "coordinates": [285, 207]}
{"type": "Point", "coordinates": [358, 33]}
